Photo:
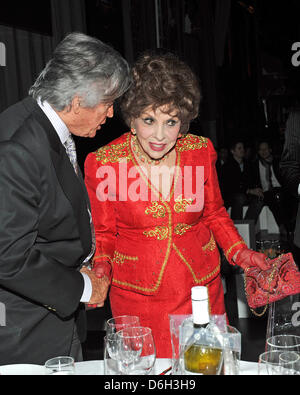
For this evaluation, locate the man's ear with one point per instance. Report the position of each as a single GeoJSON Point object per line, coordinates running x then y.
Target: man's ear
{"type": "Point", "coordinates": [75, 105]}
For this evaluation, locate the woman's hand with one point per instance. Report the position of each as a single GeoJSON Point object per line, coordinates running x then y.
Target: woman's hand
{"type": "Point", "coordinates": [102, 269]}
{"type": "Point", "coordinates": [246, 257]}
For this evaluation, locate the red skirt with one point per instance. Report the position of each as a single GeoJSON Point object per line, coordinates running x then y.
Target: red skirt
{"type": "Point", "coordinates": [173, 297]}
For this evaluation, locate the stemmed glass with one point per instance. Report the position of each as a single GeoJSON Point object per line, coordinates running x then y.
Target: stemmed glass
{"type": "Point", "coordinates": [110, 355]}
{"type": "Point", "coordinates": [113, 325]}
{"type": "Point", "coordinates": [136, 350]}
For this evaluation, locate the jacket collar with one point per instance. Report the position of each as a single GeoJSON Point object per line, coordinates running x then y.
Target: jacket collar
{"type": "Point", "coordinates": [71, 184]}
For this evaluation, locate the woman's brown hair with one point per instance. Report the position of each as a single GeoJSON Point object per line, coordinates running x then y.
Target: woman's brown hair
{"type": "Point", "coordinates": [162, 80]}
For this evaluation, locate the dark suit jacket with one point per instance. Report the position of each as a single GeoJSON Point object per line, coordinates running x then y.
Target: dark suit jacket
{"type": "Point", "coordinates": [44, 237]}
{"type": "Point", "coordinates": [233, 180]}
{"type": "Point", "coordinates": [290, 162]}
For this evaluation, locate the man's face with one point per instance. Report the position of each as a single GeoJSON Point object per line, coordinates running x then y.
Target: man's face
{"type": "Point", "coordinates": [264, 151]}
{"type": "Point", "coordinates": [238, 151]}
{"type": "Point", "coordinates": [88, 120]}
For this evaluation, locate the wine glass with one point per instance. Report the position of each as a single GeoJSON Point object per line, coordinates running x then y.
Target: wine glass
{"type": "Point", "coordinates": [290, 363]}
{"type": "Point", "coordinates": [260, 246]}
{"type": "Point", "coordinates": [115, 324]}
{"type": "Point", "coordinates": [277, 248]}
{"type": "Point", "coordinates": [284, 317]}
{"type": "Point", "coordinates": [278, 362]}
{"type": "Point", "coordinates": [267, 249]}
{"type": "Point", "coordinates": [60, 366]}
{"type": "Point", "coordinates": [268, 363]}
{"type": "Point", "coordinates": [110, 355]}
{"type": "Point", "coordinates": [136, 350]}
{"type": "Point", "coordinates": [283, 343]}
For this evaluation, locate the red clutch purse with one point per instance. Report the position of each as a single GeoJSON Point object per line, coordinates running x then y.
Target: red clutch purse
{"type": "Point", "coordinates": [264, 287]}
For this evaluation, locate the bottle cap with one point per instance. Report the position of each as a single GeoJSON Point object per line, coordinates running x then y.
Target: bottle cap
{"type": "Point", "coordinates": [199, 293]}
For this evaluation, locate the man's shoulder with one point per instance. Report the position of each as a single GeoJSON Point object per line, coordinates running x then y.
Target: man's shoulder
{"type": "Point", "coordinates": [15, 118]}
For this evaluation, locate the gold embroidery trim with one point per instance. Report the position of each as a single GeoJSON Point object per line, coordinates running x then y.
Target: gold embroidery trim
{"type": "Point", "coordinates": [120, 258]}
{"type": "Point", "coordinates": [113, 153]}
{"type": "Point", "coordinates": [157, 210]}
{"type": "Point", "coordinates": [154, 289]}
{"type": "Point", "coordinates": [181, 229]}
{"type": "Point", "coordinates": [160, 232]}
{"type": "Point", "coordinates": [232, 247]}
{"type": "Point", "coordinates": [211, 245]}
{"type": "Point", "coordinates": [203, 279]}
{"type": "Point", "coordinates": [181, 204]}
{"type": "Point", "coordinates": [192, 142]}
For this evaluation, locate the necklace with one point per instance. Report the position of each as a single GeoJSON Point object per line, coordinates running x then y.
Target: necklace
{"type": "Point", "coordinates": [136, 149]}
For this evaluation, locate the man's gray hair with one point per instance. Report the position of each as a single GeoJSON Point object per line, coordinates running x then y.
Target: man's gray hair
{"type": "Point", "coordinates": [82, 66]}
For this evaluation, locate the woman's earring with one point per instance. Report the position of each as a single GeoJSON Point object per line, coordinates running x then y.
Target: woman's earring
{"type": "Point", "coordinates": [133, 131]}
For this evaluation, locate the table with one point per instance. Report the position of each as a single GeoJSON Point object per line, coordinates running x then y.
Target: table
{"type": "Point", "coordinates": [96, 368]}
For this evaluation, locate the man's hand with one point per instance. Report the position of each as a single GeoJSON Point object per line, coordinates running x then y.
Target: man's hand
{"type": "Point", "coordinates": [99, 288]}
{"type": "Point", "coordinates": [256, 192]}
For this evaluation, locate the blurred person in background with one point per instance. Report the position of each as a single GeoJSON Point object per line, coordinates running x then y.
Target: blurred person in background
{"type": "Point", "coordinates": [237, 191]}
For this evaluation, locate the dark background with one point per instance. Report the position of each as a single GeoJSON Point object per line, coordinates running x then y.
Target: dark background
{"type": "Point", "coordinates": [240, 50]}
{"type": "Point", "coordinates": [31, 15]}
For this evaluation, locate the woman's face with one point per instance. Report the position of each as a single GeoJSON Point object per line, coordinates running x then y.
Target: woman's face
{"type": "Point", "coordinates": [156, 132]}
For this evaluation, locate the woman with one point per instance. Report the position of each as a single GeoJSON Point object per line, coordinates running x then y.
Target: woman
{"type": "Point", "coordinates": [152, 229]}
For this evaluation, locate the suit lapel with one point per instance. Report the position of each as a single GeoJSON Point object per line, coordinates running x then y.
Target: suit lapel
{"type": "Point", "coordinates": [72, 186]}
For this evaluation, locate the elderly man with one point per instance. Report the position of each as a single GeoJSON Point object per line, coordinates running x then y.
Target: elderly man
{"type": "Point", "coordinates": [46, 233]}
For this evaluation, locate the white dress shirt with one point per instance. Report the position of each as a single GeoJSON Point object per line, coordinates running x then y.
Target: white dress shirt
{"type": "Point", "coordinates": [263, 177]}
{"type": "Point", "coordinates": [63, 133]}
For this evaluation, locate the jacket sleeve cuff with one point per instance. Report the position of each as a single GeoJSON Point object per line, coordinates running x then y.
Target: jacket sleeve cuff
{"type": "Point", "coordinates": [229, 254]}
{"type": "Point", "coordinates": [87, 291]}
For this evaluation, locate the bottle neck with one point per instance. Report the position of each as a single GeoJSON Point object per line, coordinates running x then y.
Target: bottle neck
{"type": "Point", "coordinates": [200, 313]}
{"type": "Point", "coordinates": [200, 325]}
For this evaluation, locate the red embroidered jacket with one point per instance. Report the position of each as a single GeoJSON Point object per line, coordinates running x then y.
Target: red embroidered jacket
{"type": "Point", "coordinates": [136, 229]}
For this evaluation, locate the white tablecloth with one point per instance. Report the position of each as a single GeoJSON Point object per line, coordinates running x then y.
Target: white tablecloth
{"type": "Point", "coordinates": [96, 368]}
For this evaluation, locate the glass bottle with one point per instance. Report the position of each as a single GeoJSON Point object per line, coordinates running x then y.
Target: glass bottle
{"type": "Point", "coordinates": [203, 352]}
